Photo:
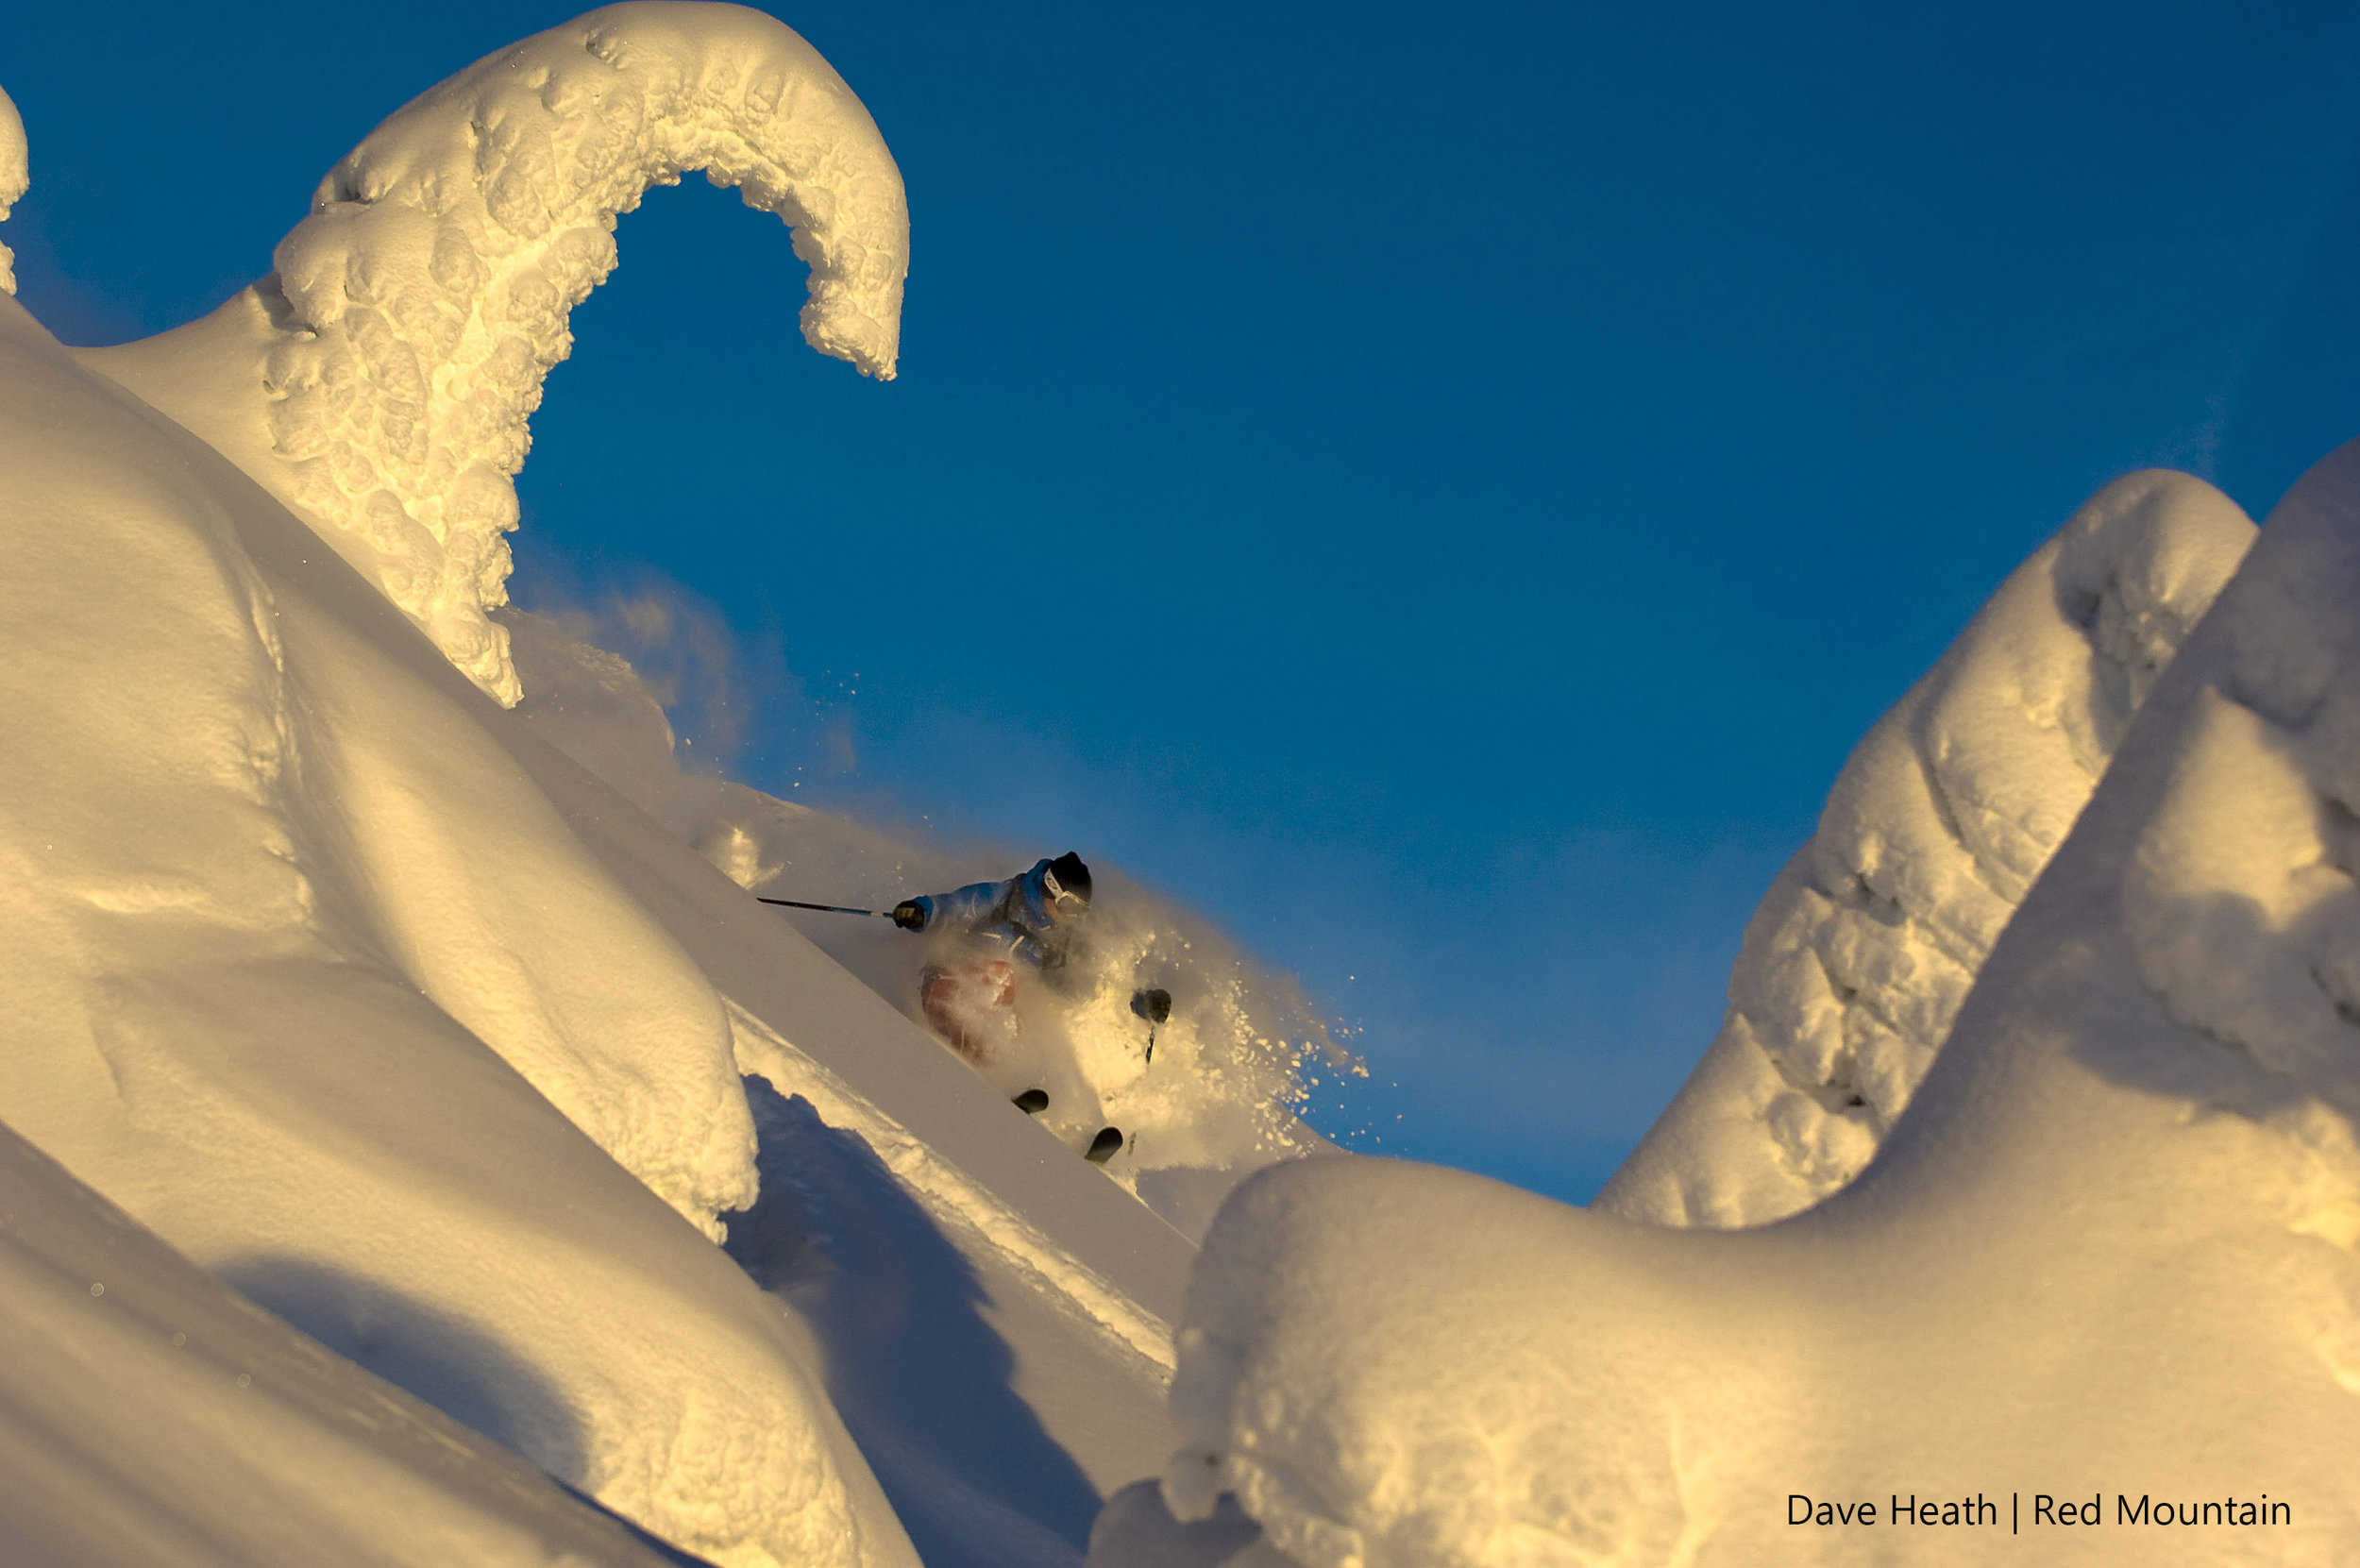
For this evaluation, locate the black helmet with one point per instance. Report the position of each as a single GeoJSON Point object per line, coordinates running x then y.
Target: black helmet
{"type": "Point", "coordinates": [1071, 876]}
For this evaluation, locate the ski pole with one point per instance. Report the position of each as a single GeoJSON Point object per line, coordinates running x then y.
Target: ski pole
{"type": "Point", "coordinates": [826, 908]}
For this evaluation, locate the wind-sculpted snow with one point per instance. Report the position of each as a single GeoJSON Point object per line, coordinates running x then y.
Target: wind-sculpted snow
{"type": "Point", "coordinates": [402, 342]}
{"type": "Point", "coordinates": [16, 177]}
{"type": "Point", "coordinates": [1856, 960]}
{"type": "Point", "coordinates": [2107, 1253]}
{"type": "Point", "coordinates": [307, 974]}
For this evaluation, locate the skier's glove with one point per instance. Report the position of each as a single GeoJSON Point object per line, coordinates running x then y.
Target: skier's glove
{"type": "Point", "coordinates": [910, 915]}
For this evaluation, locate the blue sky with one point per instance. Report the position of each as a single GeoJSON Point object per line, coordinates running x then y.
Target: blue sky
{"type": "Point", "coordinates": [1440, 490]}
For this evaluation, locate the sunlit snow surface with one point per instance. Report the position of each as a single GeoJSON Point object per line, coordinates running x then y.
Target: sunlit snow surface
{"type": "Point", "coordinates": [2109, 1247]}
{"type": "Point", "coordinates": [333, 974]}
{"type": "Point", "coordinates": [266, 866]}
{"type": "Point", "coordinates": [155, 1416]}
{"type": "Point", "coordinates": [403, 337]}
{"type": "Point", "coordinates": [444, 1028]}
{"type": "Point", "coordinates": [1855, 962]}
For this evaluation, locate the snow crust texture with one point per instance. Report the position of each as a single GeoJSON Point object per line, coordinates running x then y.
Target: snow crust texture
{"type": "Point", "coordinates": [426, 297]}
{"type": "Point", "coordinates": [16, 177]}
{"type": "Point", "coordinates": [2109, 1250]}
{"type": "Point", "coordinates": [1856, 960]}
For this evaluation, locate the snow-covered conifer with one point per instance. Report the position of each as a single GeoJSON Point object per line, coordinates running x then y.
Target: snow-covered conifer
{"type": "Point", "coordinates": [16, 177]}
{"type": "Point", "coordinates": [1856, 960]}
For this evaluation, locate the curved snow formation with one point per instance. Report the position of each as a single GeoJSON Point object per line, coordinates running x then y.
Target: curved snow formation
{"type": "Point", "coordinates": [2109, 1250]}
{"type": "Point", "coordinates": [16, 177]}
{"type": "Point", "coordinates": [404, 337]}
{"type": "Point", "coordinates": [309, 975]}
{"type": "Point", "coordinates": [1856, 960]}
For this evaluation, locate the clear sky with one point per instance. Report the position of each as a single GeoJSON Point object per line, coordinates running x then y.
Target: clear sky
{"type": "Point", "coordinates": [1438, 489]}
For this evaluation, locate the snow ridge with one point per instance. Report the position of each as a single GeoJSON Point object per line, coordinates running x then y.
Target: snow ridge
{"type": "Point", "coordinates": [15, 180]}
{"type": "Point", "coordinates": [2241, 892]}
{"type": "Point", "coordinates": [1857, 958]}
{"type": "Point", "coordinates": [426, 297]}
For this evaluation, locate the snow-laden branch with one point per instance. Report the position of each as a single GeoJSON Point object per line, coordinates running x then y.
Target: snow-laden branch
{"type": "Point", "coordinates": [16, 177]}
{"type": "Point", "coordinates": [429, 290]}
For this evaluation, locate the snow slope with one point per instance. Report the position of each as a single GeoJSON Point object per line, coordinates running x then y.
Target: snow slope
{"type": "Point", "coordinates": [263, 870]}
{"type": "Point", "coordinates": [1856, 960]}
{"type": "Point", "coordinates": [336, 974]}
{"type": "Point", "coordinates": [153, 1415]}
{"type": "Point", "coordinates": [2107, 1253]}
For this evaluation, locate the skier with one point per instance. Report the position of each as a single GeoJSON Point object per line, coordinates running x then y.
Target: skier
{"type": "Point", "coordinates": [968, 988]}
{"type": "Point", "coordinates": [1032, 919]}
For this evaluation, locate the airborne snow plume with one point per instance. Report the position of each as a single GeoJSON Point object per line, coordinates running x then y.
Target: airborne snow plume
{"type": "Point", "coordinates": [1857, 958]}
{"type": "Point", "coordinates": [379, 382]}
{"type": "Point", "coordinates": [2108, 1252]}
{"type": "Point", "coordinates": [1205, 1098]}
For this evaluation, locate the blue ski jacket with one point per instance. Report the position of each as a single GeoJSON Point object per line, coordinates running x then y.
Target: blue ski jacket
{"type": "Point", "coordinates": [1019, 911]}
